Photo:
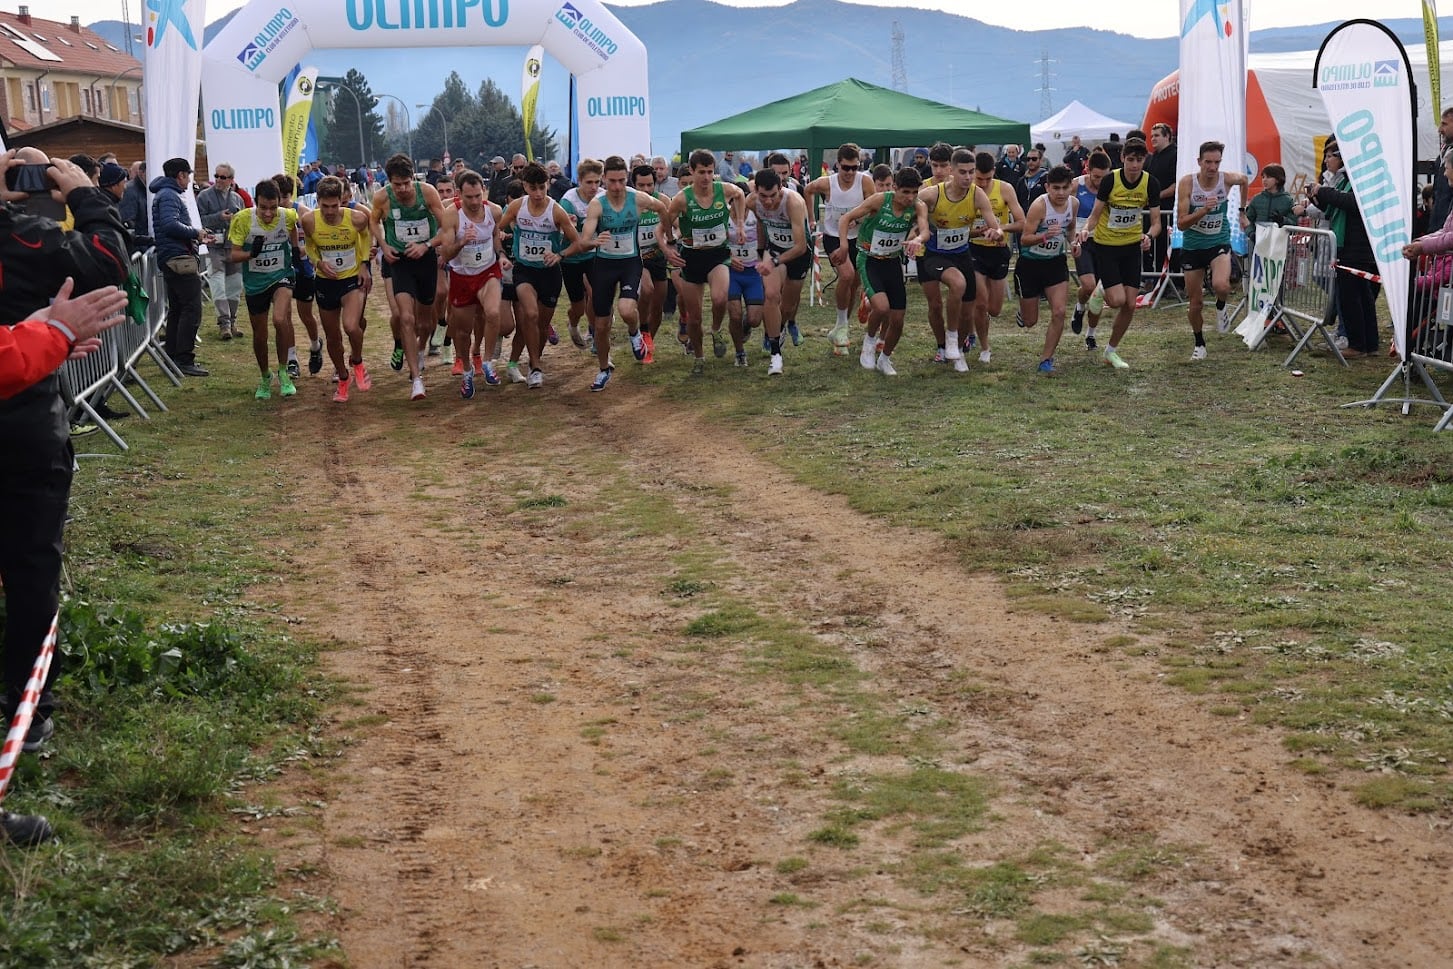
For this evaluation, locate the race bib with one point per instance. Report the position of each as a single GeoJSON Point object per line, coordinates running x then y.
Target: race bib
{"type": "Point", "coordinates": [1124, 218]}
{"type": "Point", "coordinates": [954, 238]}
{"type": "Point", "coordinates": [1209, 224]}
{"type": "Point", "coordinates": [270, 260]}
{"type": "Point", "coordinates": [1049, 247]}
{"type": "Point", "coordinates": [887, 243]}
{"type": "Point", "coordinates": [709, 237]}
{"type": "Point", "coordinates": [533, 246]}
{"type": "Point", "coordinates": [410, 231]}
{"type": "Point", "coordinates": [477, 255]}
{"type": "Point", "coordinates": [646, 236]}
{"type": "Point", "coordinates": [743, 254]}
{"type": "Point", "coordinates": [619, 244]}
{"type": "Point", "coordinates": [779, 236]}
{"type": "Point", "coordinates": [342, 260]}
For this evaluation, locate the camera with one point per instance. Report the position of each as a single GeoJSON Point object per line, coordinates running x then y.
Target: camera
{"type": "Point", "coordinates": [30, 179]}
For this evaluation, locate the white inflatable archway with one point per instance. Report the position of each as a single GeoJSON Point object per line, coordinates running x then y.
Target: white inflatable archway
{"type": "Point", "coordinates": [244, 64]}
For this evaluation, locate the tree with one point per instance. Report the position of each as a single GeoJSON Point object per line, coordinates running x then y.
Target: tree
{"type": "Point", "coordinates": [340, 142]}
{"type": "Point", "coordinates": [480, 125]}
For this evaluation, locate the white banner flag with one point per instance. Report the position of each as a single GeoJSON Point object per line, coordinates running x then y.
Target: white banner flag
{"type": "Point", "coordinates": [1363, 75]}
{"type": "Point", "coordinates": [1268, 262]}
{"type": "Point", "coordinates": [173, 52]}
{"type": "Point", "coordinates": [1213, 87]}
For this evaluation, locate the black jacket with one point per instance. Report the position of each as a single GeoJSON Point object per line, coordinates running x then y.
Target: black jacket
{"type": "Point", "coordinates": [36, 256]}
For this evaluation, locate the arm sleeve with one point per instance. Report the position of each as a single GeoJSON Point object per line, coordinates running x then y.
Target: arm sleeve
{"type": "Point", "coordinates": [29, 352]}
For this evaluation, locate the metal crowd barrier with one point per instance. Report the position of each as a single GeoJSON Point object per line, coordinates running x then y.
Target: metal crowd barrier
{"type": "Point", "coordinates": [1430, 319]}
{"type": "Point", "coordinates": [1305, 303]}
{"type": "Point", "coordinates": [81, 379]}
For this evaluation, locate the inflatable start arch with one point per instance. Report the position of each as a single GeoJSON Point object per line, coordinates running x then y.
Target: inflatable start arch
{"type": "Point", "coordinates": [244, 64]}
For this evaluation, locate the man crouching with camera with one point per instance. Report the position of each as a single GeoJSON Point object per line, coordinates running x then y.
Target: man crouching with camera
{"type": "Point", "coordinates": [36, 258]}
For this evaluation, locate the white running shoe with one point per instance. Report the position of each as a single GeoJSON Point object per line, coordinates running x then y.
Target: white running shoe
{"type": "Point", "coordinates": [1199, 353]}
{"type": "Point", "coordinates": [774, 369]}
{"type": "Point", "coordinates": [869, 356]}
{"type": "Point", "coordinates": [1223, 320]}
{"type": "Point", "coordinates": [960, 364]}
{"type": "Point", "coordinates": [951, 348]}
{"type": "Point", "coordinates": [839, 336]}
{"type": "Point", "coordinates": [422, 357]}
{"type": "Point", "coordinates": [417, 392]}
{"type": "Point", "coordinates": [885, 365]}
{"type": "Point", "coordinates": [985, 356]}
{"type": "Point", "coordinates": [516, 372]}
{"type": "Point", "coordinates": [535, 381]}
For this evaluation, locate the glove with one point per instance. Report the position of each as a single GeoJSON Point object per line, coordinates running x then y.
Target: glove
{"type": "Point", "coordinates": [257, 243]}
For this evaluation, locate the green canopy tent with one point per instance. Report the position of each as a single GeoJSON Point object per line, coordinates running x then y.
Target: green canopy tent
{"type": "Point", "coordinates": [852, 110]}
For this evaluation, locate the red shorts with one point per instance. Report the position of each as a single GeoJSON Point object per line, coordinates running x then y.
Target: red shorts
{"type": "Point", "coordinates": [464, 290]}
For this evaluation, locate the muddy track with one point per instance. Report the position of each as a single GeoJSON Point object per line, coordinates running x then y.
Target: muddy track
{"type": "Point", "coordinates": [472, 825]}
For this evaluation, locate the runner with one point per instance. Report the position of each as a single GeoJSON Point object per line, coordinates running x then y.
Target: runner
{"type": "Point", "coordinates": [991, 255]}
{"type": "Point", "coordinates": [1041, 270]}
{"type": "Point", "coordinates": [264, 238]}
{"type": "Point", "coordinates": [1115, 226]}
{"type": "Point", "coordinates": [612, 228]}
{"type": "Point", "coordinates": [476, 262]}
{"type": "Point", "coordinates": [841, 192]}
{"type": "Point", "coordinates": [655, 277]}
{"type": "Point", "coordinates": [885, 222]}
{"type": "Point", "coordinates": [954, 206]}
{"type": "Point", "coordinates": [541, 228]}
{"type": "Point", "coordinates": [406, 221]}
{"type": "Point", "coordinates": [338, 242]}
{"type": "Point", "coordinates": [508, 317]}
{"type": "Point", "coordinates": [882, 176]}
{"type": "Point", "coordinates": [745, 291]}
{"type": "Point", "coordinates": [448, 191]}
{"type": "Point", "coordinates": [941, 163]}
{"type": "Point", "coordinates": [705, 208]}
{"type": "Point", "coordinates": [782, 221]}
{"type": "Point", "coordinates": [1087, 187]}
{"type": "Point", "coordinates": [575, 269]}
{"type": "Point", "coordinates": [302, 287]}
{"type": "Point", "coordinates": [1206, 241]}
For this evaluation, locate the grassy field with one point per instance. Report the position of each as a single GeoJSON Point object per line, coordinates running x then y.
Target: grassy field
{"type": "Point", "coordinates": [1286, 556]}
{"type": "Point", "coordinates": [1285, 559]}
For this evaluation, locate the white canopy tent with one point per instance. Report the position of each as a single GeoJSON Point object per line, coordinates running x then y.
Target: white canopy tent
{"type": "Point", "coordinates": [1075, 119]}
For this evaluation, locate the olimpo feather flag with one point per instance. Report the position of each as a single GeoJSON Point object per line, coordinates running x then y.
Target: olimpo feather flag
{"type": "Point", "coordinates": [296, 114]}
{"type": "Point", "coordinates": [530, 93]}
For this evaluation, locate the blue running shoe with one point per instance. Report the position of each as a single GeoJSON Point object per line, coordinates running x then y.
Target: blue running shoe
{"type": "Point", "coordinates": [490, 377]}
{"type": "Point", "coordinates": [466, 386]}
{"type": "Point", "coordinates": [794, 333]}
{"type": "Point", "coordinates": [601, 379]}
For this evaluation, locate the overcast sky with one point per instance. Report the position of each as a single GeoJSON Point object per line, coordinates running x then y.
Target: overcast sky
{"type": "Point", "coordinates": [1126, 16]}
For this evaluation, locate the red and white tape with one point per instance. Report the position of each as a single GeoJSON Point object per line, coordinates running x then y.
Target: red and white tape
{"type": "Point", "coordinates": [1360, 274]}
{"type": "Point", "coordinates": [20, 723]}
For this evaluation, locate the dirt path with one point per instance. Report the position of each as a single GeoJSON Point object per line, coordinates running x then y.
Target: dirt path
{"type": "Point", "coordinates": [548, 773]}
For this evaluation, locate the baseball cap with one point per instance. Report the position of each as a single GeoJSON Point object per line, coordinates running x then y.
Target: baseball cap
{"type": "Point", "coordinates": [111, 173]}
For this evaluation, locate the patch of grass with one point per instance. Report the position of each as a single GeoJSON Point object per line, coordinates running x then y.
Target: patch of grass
{"type": "Point", "coordinates": [542, 698]}
{"type": "Point", "coordinates": [686, 588]}
{"type": "Point", "coordinates": [1144, 860]}
{"type": "Point", "coordinates": [936, 804]}
{"type": "Point", "coordinates": [607, 933]}
{"type": "Point", "coordinates": [1043, 929]}
{"type": "Point", "coordinates": [1404, 793]}
{"type": "Point", "coordinates": [834, 835]}
{"type": "Point", "coordinates": [542, 501]}
{"type": "Point", "coordinates": [790, 866]}
{"type": "Point", "coordinates": [787, 898]}
{"type": "Point", "coordinates": [730, 621]}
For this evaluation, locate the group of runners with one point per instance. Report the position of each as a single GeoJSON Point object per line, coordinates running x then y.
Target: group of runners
{"type": "Point", "coordinates": [490, 277]}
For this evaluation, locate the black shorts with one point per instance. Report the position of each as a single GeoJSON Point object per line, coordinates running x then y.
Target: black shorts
{"type": "Point", "coordinates": [931, 266]}
{"type": "Point", "coordinates": [606, 275]}
{"type": "Point", "coordinates": [385, 268]}
{"type": "Point", "coordinates": [1034, 276]}
{"type": "Point", "coordinates": [417, 278]}
{"type": "Point", "coordinates": [700, 263]}
{"type": "Point", "coordinates": [260, 303]}
{"type": "Point", "coordinates": [884, 276]}
{"type": "Point", "coordinates": [573, 274]}
{"type": "Point", "coordinates": [304, 286]}
{"type": "Point", "coordinates": [991, 261]}
{"type": "Point", "coordinates": [831, 244]}
{"type": "Point", "coordinates": [544, 280]}
{"type": "Point", "coordinates": [657, 266]}
{"type": "Point", "coordinates": [1118, 265]}
{"type": "Point", "coordinates": [507, 292]}
{"type": "Point", "coordinates": [1196, 260]}
{"type": "Point", "coordinates": [799, 267]}
{"type": "Point", "coordinates": [332, 291]}
{"type": "Point", "coordinates": [1085, 261]}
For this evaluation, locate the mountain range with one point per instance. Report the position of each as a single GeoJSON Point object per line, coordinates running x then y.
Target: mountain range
{"type": "Point", "coordinates": [708, 61]}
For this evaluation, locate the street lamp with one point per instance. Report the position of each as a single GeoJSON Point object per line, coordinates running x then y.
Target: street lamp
{"type": "Point", "coordinates": [443, 123]}
{"type": "Point", "coordinates": [362, 151]}
{"type": "Point", "coordinates": [408, 124]}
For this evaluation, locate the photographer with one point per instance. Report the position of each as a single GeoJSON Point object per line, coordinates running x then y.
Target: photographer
{"type": "Point", "coordinates": [35, 476]}
{"type": "Point", "coordinates": [176, 248]}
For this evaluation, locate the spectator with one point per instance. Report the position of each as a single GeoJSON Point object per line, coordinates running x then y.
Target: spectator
{"type": "Point", "coordinates": [217, 205]}
{"type": "Point", "coordinates": [133, 200]}
{"type": "Point", "coordinates": [1077, 157]}
{"type": "Point", "coordinates": [1423, 211]}
{"type": "Point", "coordinates": [744, 169]}
{"type": "Point", "coordinates": [1112, 149]}
{"type": "Point", "coordinates": [1272, 205]}
{"type": "Point", "coordinates": [920, 164]}
{"type": "Point", "coordinates": [1356, 297]}
{"type": "Point", "coordinates": [176, 248]}
{"type": "Point", "coordinates": [666, 183]}
{"type": "Point", "coordinates": [559, 183]}
{"type": "Point", "coordinates": [726, 169]}
{"type": "Point", "coordinates": [1010, 168]}
{"type": "Point", "coordinates": [1031, 186]}
{"type": "Point", "coordinates": [499, 181]}
{"type": "Point", "coordinates": [311, 178]}
{"type": "Point", "coordinates": [435, 172]}
{"type": "Point", "coordinates": [87, 164]}
{"type": "Point", "coordinates": [35, 475]}
{"type": "Point", "coordinates": [113, 182]}
{"type": "Point", "coordinates": [1442, 191]}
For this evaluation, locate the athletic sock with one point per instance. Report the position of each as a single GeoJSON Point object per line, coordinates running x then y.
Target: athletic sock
{"type": "Point", "coordinates": [950, 338]}
{"type": "Point", "coordinates": [316, 345]}
{"type": "Point", "coordinates": [292, 353]}
{"type": "Point", "coordinates": [1220, 304]}
{"type": "Point", "coordinates": [842, 317]}
{"type": "Point", "coordinates": [776, 345]}
{"type": "Point", "coordinates": [1079, 307]}
{"type": "Point", "coordinates": [1200, 339]}
{"type": "Point", "coordinates": [1090, 331]}
{"type": "Point", "coordinates": [398, 344]}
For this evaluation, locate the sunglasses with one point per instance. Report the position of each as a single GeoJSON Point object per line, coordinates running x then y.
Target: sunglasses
{"type": "Point", "coordinates": [847, 168]}
{"type": "Point", "coordinates": [1032, 158]}
{"type": "Point", "coordinates": [222, 178]}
